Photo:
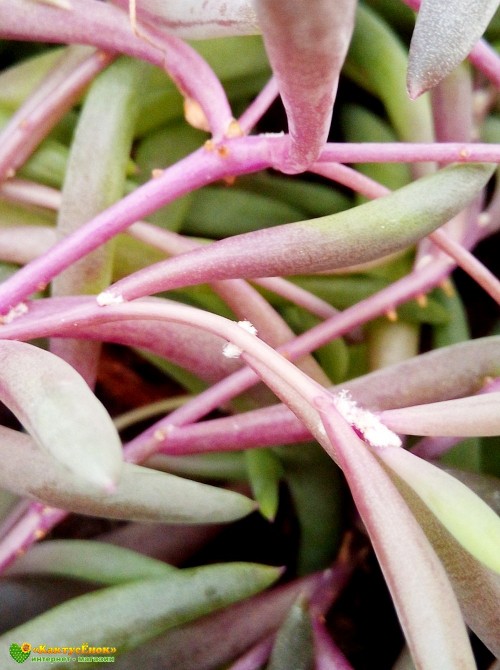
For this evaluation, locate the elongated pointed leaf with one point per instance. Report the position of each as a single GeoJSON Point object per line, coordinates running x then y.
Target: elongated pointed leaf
{"type": "Point", "coordinates": [412, 570]}
{"type": "Point", "coordinates": [445, 32]}
{"type": "Point", "coordinates": [294, 647]}
{"type": "Point", "coordinates": [128, 615]}
{"type": "Point", "coordinates": [377, 61]}
{"type": "Point", "coordinates": [141, 495]}
{"type": "Point", "coordinates": [264, 472]}
{"type": "Point", "coordinates": [306, 48]}
{"type": "Point", "coordinates": [475, 416]}
{"type": "Point", "coordinates": [462, 512]}
{"type": "Point", "coordinates": [360, 234]}
{"type": "Point", "coordinates": [211, 642]}
{"type": "Point", "coordinates": [61, 413]}
{"type": "Point", "coordinates": [472, 581]}
{"type": "Point", "coordinates": [90, 561]}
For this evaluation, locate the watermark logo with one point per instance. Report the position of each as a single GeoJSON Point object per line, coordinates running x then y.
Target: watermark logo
{"type": "Point", "coordinates": [20, 653]}
{"type": "Point", "coordinates": [43, 653]}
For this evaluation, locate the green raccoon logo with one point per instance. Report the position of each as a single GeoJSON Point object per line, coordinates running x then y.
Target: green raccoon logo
{"type": "Point", "coordinates": [20, 653]}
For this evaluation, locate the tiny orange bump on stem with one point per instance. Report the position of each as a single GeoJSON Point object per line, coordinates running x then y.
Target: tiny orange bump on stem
{"type": "Point", "coordinates": [223, 151]}
{"type": "Point", "coordinates": [194, 114]}
{"type": "Point", "coordinates": [234, 129]}
{"type": "Point", "coordinates": [391, 315]}
{"type": "Point", "coordinates": [422, 300]}
{"type": "Point", "coordinates": [209, 145]}
{"type": "Point", "coordinates": [447, 287]}
{"type": "Point", "coordinates": [157, 172]}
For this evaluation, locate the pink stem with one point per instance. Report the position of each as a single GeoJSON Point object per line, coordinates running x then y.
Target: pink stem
{"type": "Point", "coordinates": [47, 105]}
{"type": "Point", "coordinates": [255, 111]}
{"type": "Point", "coordinates": [108, 28]}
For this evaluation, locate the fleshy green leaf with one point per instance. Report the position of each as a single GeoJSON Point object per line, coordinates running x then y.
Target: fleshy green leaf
{"type": "Point", "coordinates": [17, 82]}
{"type": "Point", "coordinates": [213, 641]}
{"type": "Point", "coordinates": [294, 646]}
{"type": "Point", "coordinates": [61, 413]}
{"type": "Point", "coordinates": [360, 234]}
{"type": "Point", "coordinates": [264, 472]}
{"type": "Point", "coordinates": [377, 60]}
{"type": "Point", "coordinates": [445, 32]}
{"type": "Point", "coordinates": [128, 615]}
{"type": "Point", "coordinates": [462, 512]}
{"type": "Point", "coordinates": [141, 494]}
{"type": "Point", "coordinates": [89, 561]}
{"type": "Point", "coordinates": [472, 581]}
{"type": "Point", "coordinates": [221, 212]}
{"type": "Point", "coordinates": [316, 487]}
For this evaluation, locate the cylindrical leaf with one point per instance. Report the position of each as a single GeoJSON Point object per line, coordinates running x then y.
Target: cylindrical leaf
{"type": "Point", "coordinates": [141, 495]}
{"type": "Point", "coordinates": [475, 416]}
{"type": "Point", "coordinates": [360, 234]}
{"type": "Point", "coordinates": [306, 47]}
{"type": "Point", "coordinates": [128, 615]}
{"type": "Point", "coordinates": [445, 32]}
{"type": "Point", "coordinates": [91, 561]}
{"type": "Point", "coordinates": [475, 525]}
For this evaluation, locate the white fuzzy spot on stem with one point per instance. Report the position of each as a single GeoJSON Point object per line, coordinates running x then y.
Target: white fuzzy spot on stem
{"type": "Point", "coordinates": [108, 298]}
{"type": "Point", "coordinates": [13, 313]}
{"type": "Point", "coordinates": [370, 427]}
{"type": "Point", "coordinates": [231, 350]}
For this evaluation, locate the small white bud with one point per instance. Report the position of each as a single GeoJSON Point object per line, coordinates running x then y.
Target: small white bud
{"type": "Point", "coordinates": [231, 350]}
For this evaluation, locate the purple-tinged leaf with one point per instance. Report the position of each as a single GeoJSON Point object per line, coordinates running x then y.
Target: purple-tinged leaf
{"type": "Point", "coordinates": [444, 34]}
{"type": "Point", "coordinates": [357, 235]}
{"type": "Point", "coordinates": [191, 348]}
{"type": "Point", "coordinates": [474, 416]}
{"type": "Point", "coordinates": [328, 655]}
{"type": "Point", "coordinates": [473, 523]}
{"type": "Point", "coordinates": [412, 570]}
{"type": "Point", "coordinates": [65, 419]}
{"type": "Point", "coordinates": [141, 494]}
{"type": "Point", "coordinates": [306, 47]}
